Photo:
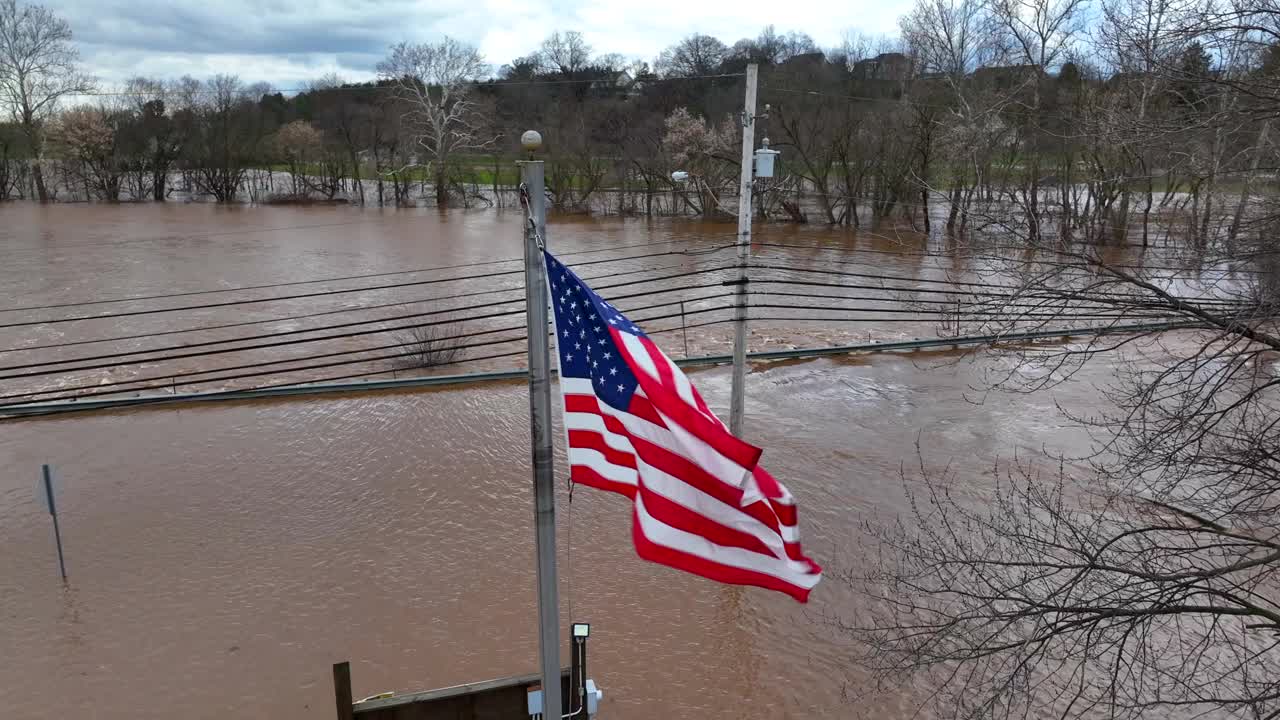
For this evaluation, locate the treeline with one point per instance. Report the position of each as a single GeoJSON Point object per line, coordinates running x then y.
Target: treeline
{"type": "Point", "coordinates": [1042, 118]}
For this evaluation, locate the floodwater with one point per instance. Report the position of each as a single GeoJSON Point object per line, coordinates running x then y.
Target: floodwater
{"type": "Point", "coordinates": [222, 556]}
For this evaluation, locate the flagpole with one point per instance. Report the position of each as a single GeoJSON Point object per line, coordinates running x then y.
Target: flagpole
{"type": "Point", "coordinates": [533, 197]}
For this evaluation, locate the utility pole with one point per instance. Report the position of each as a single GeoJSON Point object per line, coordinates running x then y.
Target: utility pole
{"type": "Point", "coordinates": [533, 197]}
{"type": "Point", "coordinates": [738, 395]}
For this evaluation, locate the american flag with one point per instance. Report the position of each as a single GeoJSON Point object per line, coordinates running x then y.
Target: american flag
{"type": "Point", "coordinates": [637, 427]}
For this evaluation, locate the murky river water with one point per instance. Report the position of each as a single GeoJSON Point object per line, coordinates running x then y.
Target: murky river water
{"type": "Point", "coordinates": [223, 556]}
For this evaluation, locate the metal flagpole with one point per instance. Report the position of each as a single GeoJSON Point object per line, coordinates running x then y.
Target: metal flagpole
{"type": "Point", "coordinates": [738, 395]}
{"type": "Point", "coordinates": [533, 197]}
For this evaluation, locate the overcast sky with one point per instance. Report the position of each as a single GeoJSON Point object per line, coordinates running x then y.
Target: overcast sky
{"type": "Point", "coordinates": [287, 42]}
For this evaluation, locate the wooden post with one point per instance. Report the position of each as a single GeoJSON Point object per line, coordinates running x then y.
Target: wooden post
{"type": "Point", "coordinates": [342, 690]}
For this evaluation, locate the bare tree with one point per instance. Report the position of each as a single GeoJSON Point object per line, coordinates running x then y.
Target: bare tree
{"type": "Point", "coordinates": [10, 166]}
{"type": "Point", "coordinates": [38, 67]}
{"type": "Point", "coordinates": [227, 137]}
{"type": "Point", "coordinates": [162, 124]}
{"type": "Point", "coordinates": [566, 53]}
{"type": "Point", "coordinates": [692, 56]}
{"type": "Point", "coordinates": [433, 80]}
{"type": "Point", "coordinates": [773, 48]}
{"type": "Point", "coordinates": [1038, 33]}
{"type": "Point", "coordinates": [1141, 581]}
{"type": "Point", "coordinates": [950, 37]}
{"type": "Point", "coordinates": [427, 347]}
{"type": "Point", "coordinates": [1041, 30]}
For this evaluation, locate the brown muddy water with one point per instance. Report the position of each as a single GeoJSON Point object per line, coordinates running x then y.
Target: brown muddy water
{"type": "Point", "coordinates": [223, 556]}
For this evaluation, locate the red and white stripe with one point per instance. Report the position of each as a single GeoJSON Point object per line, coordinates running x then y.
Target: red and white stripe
{"type": "Point", "coordinates": [701, 503]}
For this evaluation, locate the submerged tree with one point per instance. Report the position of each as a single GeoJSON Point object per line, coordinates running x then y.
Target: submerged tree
{"type": "Point", "coordinates": [38, 67]}
{"type": "Point", "coordinates": [433, 81]}
{"type": "Point", "coordinates": [1141, 580]}
{"type": "Point", "coordinates": [227, 138]}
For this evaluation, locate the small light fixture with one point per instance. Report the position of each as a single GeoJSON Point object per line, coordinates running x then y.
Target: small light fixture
{"type": "Point", "coordinates": [531, 141]}
{"type": "Point", "coordinates": [581, 630]}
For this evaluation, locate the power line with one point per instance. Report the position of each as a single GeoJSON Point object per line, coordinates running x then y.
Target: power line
{"type": "Point", "coordinates": [877, 276]}
{"type": "Point", "coordinates": [366, 374]}
{"type": "Point", "coordinates": [1013, 290]}
{"type": "Point", "coordinates": [1003, 297]}
{"type": "Point", "coordinates": [489, 357]}
{"type": "Point", "coordinates": [946, 314]}
{"type": "Point", "coordinates": [173, 378]}
{"type": "Point", "coordinates": [343, 353]}
{"type": "Point", "coordinates": [928, 291]}
{"type": "Point", "coordinates": [990, 316]}
{"type": "Point", "coordinates": [338, 336]}
{"type": "Point", "coordinates": [1084, 273]}
{"type": "Point", "coordinates": [998, 258]}
{"type": "Point", "coordinates": [320, 293]}
{"type": "Point", "coordinates": [957, 304]}
{"type": "Point", "coordinates": [332, 279]}
{"type": "Point", "coordinates": [339, 311]}
{"type": "Point", "coordinates": [391, 89]}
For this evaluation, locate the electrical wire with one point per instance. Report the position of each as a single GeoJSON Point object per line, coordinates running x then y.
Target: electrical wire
{"type": "Point", "coordinates": [236, 391]}
{"type": "Point", "coordinates": [360, 323]}
{"type": "Point", "coordinates": [101, 388]}
{"type": "Point", "coordinates": [339, 336]}
{"type": "Point", "coordinates": [961, 293]}
{"type": "Point", "coordinates": [949, 315]}
{"type": "Point", "coordinates": [369, 374]}
{"type": "Point", "coordinates": [342, 353]}
{"type": "Point", "coordinates": [391, 88]}
{"type": "Point", "coordinates": [1012, 289]}
{"type": "Point", "coordinates": [897, 278]}
{"type": "Point", "coordinates": [299, 296]}
{"type": "Point", "coordinates": [913, 301]}
{"type": "Point", "coordinates": [339, 378]}
{"type": "Point", "coordinates": [995, 258]}
{"type": "Point", "coordinates": [410, 316]}
{"type": "Point", "coordinates": [954, 308]}
{"type": "Point", "coordinates": [336, 279]}
{"type": "Point", "coordinates": [339, 311]}
{"type": "Point", "coordinates": [174, 384]}
{"type": "Point", "coordinates": [646, 280]}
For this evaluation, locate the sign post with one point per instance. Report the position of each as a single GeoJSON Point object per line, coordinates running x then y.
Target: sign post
{"type": "Point", "coordinates": [53, 512]}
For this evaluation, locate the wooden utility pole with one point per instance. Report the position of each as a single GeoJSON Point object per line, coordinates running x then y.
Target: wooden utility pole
{"type": "Point", "coordinates": [738, 395]}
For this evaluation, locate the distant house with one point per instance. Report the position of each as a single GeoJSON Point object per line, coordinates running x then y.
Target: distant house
{"type": "Point", "coordinates": [805, 60]}
{"type": "Point", "coordinates": [891, 67]}
{"type": "Point", "coordinates": [621, 82]}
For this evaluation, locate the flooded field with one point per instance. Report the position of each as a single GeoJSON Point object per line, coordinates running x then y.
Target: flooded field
{"type": "Point", "coordinates": [222, 557]}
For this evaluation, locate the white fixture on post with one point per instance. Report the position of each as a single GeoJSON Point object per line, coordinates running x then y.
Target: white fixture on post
{"type": "Point", "coordinates": [764, 159]}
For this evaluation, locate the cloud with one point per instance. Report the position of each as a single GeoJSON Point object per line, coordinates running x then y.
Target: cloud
{"type": "Point", "coordinates": [286, 42]}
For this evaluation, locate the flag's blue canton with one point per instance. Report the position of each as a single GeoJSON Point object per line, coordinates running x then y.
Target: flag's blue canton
{"type": "Point", "coordinates": [587, 349]}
